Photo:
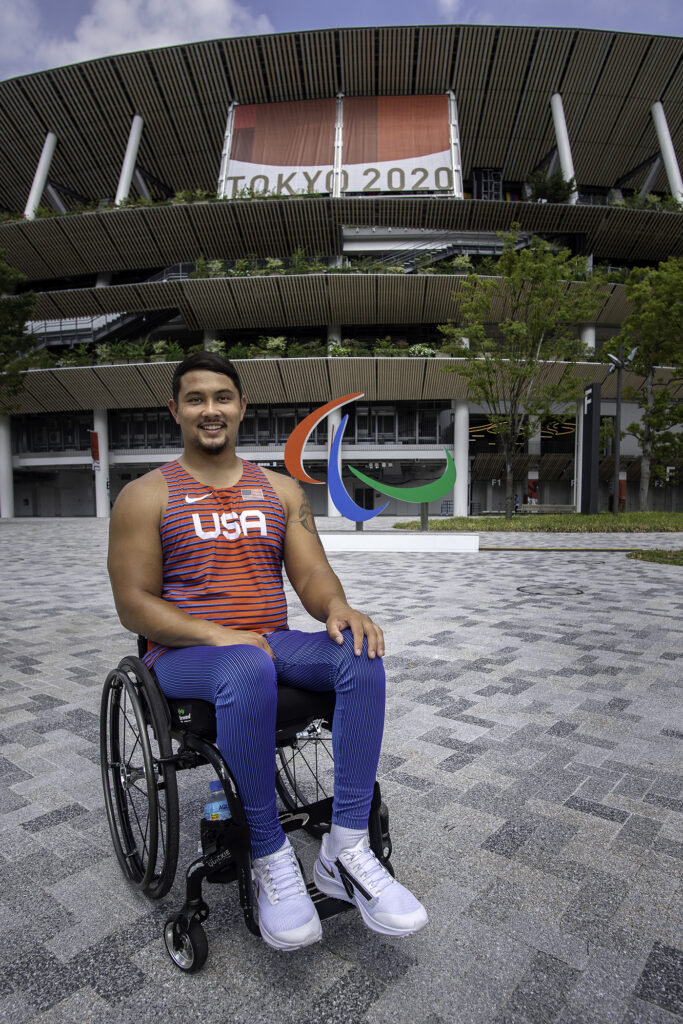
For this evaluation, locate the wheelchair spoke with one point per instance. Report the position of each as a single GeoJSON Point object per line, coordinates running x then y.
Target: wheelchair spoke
{"type": "Point", "coordinates": [143, 833]}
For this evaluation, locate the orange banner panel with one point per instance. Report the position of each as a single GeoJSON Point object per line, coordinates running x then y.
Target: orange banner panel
{"type": "Point", "coordinates": [298, 134]}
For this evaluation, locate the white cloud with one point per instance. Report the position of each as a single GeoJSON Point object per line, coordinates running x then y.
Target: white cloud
{"type": "Point", "coordinates": [455, 10]}
{"type": "Point", "coordinates": [117, 26]}
{"type": "Point", "coordinates": [450, 8]}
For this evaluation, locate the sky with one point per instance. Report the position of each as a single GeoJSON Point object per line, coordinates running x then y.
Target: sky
{"type": "Point", "coordinates": [40, 34]}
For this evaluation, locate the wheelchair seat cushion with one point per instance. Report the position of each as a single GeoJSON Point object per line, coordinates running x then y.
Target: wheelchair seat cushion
{"type": "Point", "coordinates": [294, 707]}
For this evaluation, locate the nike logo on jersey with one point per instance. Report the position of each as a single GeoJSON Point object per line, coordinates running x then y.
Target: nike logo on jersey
{"type": "Point", "coordinates": [191, 501]}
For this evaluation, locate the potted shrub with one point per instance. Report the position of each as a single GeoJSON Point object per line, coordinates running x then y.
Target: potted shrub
{"type": "Point", "coordinates": [159, 350]}
{"type": "Point", "coordinates": [104, 354]}
{"type": "Point", "coordinates": [174, 352]}
{"type": "Point", "coordinates": [215, 346]}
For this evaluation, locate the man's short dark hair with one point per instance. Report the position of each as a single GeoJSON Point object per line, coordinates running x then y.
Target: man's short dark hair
{"type": "Point", "coordinates": [205, 361]}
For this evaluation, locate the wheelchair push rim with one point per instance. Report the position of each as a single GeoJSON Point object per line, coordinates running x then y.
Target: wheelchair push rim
{"type": "Point", "coordinates": [140, 790]}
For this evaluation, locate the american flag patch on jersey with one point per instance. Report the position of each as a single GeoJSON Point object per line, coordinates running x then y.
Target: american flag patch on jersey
{"type": "Point", "coordinates": [252, 494]}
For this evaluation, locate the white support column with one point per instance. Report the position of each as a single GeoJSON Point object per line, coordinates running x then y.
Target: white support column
{"type": "Point", "coordinates": [222, 190]}
{"type": "Point", "coordinates": [666, 148]}
{"type": "Point", "coordinates": [40, 177]}
{"type": "Point", "coordinates": [461, 449]}
{"type": "Point", "coordinates": [53, 196]}
{"type": "Point", "coordinates": [648, 184]}
{"type": "Point", "coordinates": [338, 148]}
{"type": "Point", "coordinates": [131, 155]}
{"type": "Point", "coordinates": [333, 421]}
{"type": "Point", "coordinates": [141, 185]}
{"type": "Point", "coordinates": [454, 134]}
{"type": "Point", "coordinates": [6, 471]}
{"type": "Point", "coordinates": [562, 139]}
{"type": "Point", "coordinates": [101, 427]}
{"type": "Point", "coordinates": [588, 335]}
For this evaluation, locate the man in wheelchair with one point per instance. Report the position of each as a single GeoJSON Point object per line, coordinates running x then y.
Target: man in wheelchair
{"type": "Point", "coordinates": [195, 559]}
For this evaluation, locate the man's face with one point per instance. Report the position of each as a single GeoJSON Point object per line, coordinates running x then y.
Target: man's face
{"type": "Point", "coordinates": [208, 411]}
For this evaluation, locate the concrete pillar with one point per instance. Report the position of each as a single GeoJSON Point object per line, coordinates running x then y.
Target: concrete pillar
{"type": "Point", "coordinates": [53, 195]}
{"type": "Point", "coordinates": [40, 177]}
{"type": "Point", "coordinates": [338, 147]}
{"type": "Point", "coordinates": [101, 427]}
{"type": "Point", "coordinates": [588, 335]}
{"type": "Point", "coordinates": [333, 422]}
{"type": "Point", "coordinates": [461, 448]}
{"type": "Point", "coordinates": [666, 148]}
{"type": "Point", "coordinates": [141, 185]}
{"type": "Point", "coordinates": [129, 160]}
{"type": "Point", "coordinates": [334, 335]}
{"type": "Point", "coordinates": [6, 471]}
{"type": "Point", "coordinates": [562, 138]}
{"type": "Point", "coordinates": [222, 190]}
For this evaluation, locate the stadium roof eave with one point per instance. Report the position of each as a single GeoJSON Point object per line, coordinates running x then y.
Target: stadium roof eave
{"type": "Point", "coordinates": [139, 238]}
{"type": "Point", "coordinates": [184, 92]}
{"type": "Point", "coordinates": [266, 381]}
{"type": "Point", "coordinates": [290, 301]}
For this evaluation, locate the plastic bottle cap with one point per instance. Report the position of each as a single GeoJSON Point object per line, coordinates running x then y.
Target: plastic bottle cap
{"type": "Point", "coordinates": [216, 786]}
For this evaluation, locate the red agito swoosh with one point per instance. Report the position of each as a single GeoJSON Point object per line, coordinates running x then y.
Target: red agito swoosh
{"type": "Point", "coordinates": [296, 441]}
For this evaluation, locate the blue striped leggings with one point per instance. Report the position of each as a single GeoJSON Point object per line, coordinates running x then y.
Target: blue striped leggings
{"type": "Point", "coordinates": [242, 682]}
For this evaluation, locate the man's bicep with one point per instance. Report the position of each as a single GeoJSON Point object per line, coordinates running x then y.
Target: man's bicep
{"type": "Point", "coordinates": [135, 558]}
{"type": "Point", "coordinates": [304, 554]}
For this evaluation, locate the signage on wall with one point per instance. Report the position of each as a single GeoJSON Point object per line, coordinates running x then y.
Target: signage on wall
{"type": "Point", "coordinates": [390, 144]}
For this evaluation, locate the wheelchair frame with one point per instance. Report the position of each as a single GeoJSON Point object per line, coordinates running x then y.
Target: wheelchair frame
{"type": "Point", "coordinates": [138, 729]}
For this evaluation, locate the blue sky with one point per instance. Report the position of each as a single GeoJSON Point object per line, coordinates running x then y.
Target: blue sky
{"type": "Point", "coordinates": [37, 34]}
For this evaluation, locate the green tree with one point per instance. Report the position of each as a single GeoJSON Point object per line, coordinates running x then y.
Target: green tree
{"type": "Point", "coordinates": [17, 350]}
{"type": "Point", "coordinates": [518, 323]}
{"type": "Point", "coordinates": [655, 326]}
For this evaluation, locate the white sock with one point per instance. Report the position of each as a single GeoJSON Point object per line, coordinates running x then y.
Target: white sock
{"type": "Point", "coordinates": [341, 838]}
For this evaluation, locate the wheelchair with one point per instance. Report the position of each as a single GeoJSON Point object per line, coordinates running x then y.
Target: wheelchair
{"type": "Point", "coordinates": [147, 738]}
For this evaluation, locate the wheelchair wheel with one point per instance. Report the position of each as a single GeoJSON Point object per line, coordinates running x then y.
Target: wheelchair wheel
{"type": "Point", "coordinates": [305, 772]}
{"type": "Point", "coordinates": [140, 789]}
{"type": "Point", "coordinates": [187, 949]}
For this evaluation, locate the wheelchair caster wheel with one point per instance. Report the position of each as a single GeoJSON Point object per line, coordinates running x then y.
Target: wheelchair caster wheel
{"type": "Point", "coordinates": [187, 949]}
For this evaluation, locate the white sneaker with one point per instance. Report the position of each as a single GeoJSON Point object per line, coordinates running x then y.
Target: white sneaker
{"type": "Point", "coordinates": [286, 915]}
{"type": "Point", "coordinates": [358, 877]}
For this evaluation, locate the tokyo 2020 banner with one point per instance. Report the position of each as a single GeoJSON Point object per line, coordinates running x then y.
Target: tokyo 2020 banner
{"type": "Point", "coordinates": [341, 498]}
{"type": "Point", "coordinates": [390, 144]}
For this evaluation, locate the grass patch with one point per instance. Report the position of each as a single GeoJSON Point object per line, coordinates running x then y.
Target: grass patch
{"type": "Point", "coordinates": [658, 555]}
{"type": "Point", "coordinates": [604, 522]}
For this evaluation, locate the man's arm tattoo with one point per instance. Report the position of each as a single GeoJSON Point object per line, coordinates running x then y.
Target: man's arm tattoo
{"type": "Point", "coordinates": [306, 516]}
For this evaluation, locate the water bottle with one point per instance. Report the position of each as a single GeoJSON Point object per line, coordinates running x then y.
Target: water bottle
{"type": "Point", "coordinates": [217, 808]}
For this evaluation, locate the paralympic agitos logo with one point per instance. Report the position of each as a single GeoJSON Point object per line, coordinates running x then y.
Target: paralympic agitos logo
{"type": "Point", "coordinates": [343, 501]}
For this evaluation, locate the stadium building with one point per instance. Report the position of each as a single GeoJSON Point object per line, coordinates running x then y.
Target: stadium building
{"type": "Point", "coordinates": [307, 201]}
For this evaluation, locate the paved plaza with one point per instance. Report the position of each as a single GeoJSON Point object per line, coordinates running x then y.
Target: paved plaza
{"type": "Point", "coordinates": [531, 764]}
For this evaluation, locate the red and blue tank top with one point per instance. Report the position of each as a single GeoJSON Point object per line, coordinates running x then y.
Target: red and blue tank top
{"type": "Point", "coordinates": [222, 551]}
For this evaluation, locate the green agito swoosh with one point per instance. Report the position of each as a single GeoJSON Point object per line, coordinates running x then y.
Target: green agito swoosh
{"type": "Point", "coordinates": [427, 492]}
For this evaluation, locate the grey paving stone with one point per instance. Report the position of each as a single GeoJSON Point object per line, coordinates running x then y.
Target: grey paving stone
{"type": "Point", "coordinates": [662, 979]}
{"type": "Point", "coordinates": [531, 765]}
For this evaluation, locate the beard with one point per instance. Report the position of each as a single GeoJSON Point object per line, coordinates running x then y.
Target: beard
{"type": "Point", "coordinates": [216, 448]}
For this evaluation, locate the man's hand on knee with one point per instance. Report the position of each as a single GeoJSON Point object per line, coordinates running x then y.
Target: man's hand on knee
{"type": "Point", "coordinates": [345, 617]}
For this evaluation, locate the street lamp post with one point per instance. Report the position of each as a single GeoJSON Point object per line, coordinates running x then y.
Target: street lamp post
{"type": "Point", "coordinates": [618, 364]}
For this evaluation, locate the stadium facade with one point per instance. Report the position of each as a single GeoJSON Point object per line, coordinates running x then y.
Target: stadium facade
{"type": "Point", "coordinates": [217, 192]}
